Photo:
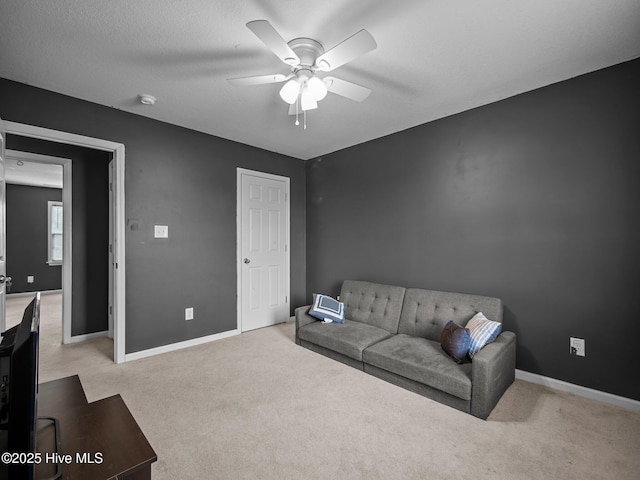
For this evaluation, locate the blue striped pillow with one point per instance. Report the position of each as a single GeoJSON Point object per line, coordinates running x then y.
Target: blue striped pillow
{"type": "Point", "coordinates": [482, 331]}
{"type": "Point", "coordinates": [327, 308]}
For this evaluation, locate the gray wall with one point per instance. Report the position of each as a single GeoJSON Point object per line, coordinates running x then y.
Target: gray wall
{"type": "Point", "coordinates": [183, 179]}
{"type": "Point", "coordinates": [90, 217]}
{"type": "Point", "coordinates": [533, 199]}
{"type": "Point", "coordinates": [27, 220]}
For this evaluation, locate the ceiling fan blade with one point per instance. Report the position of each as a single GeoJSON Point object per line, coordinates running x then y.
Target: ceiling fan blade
{"type": "Point", "coordinates": [272, 39]}
{"type": "Point", "coordinates": [258, 80]}
{"type": "Point", "coordinates": [354, 46]}
{"type": "Point", "coordinates": [346, 89]}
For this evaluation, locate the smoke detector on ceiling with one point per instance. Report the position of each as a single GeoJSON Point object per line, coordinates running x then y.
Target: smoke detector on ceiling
{"type": "Point", "coordinates": [146, 99]}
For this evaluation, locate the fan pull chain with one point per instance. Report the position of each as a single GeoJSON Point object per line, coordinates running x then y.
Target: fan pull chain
{"type": "Point", "coordinates": [297, 104]}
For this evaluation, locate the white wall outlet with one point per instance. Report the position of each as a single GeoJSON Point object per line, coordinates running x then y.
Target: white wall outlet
{"type": "Point", "coordinates": [161, 231]}
{"type": "Point", "coordinates": [188, 313]}
{"type": "Point", "coordinates": [576, 346]}
{"type": "Point", "coordinates": [30, 279]}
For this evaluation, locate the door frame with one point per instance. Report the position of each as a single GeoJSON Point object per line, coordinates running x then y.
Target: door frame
{"type": "Point", "coordinates": [269, 176]}
{"type": "Point", "coordinates": [67, 220]}
{"type": "Point", "coordinates": [117, 150]}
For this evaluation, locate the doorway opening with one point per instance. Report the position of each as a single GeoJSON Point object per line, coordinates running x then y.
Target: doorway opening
{"type": "Point", "coordinates": [35, 239]}
{"type": "Point", "coordinates": [116, 247]}
{"type": "Point", "coordinates": [37, 225]}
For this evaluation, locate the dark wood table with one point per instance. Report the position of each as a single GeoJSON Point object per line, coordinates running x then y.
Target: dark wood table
{"type": "Point", "coordinates": [101, 439]}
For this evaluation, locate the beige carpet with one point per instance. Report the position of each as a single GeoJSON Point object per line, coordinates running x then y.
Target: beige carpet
{"type": "Point", "coordinates": [257, 406]}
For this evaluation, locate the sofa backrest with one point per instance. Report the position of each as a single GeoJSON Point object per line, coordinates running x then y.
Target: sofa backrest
{"type": "Point", "coordinates": [373, 303]}
{"type": "Point", "coordinates": [425, 312]}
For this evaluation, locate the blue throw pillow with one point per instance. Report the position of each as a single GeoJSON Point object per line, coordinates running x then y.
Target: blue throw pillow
{"type": "Point", "coordinates": [483, 331]}
{"type": "Point", "coordinates": [455, 340]}
{"type": "Point", "coordinates": [327, 308]}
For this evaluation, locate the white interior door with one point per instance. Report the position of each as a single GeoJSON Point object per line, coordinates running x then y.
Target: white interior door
{"type": "Point", "coordinates": [3, 233]}
{"type": "Point", "coordinates": [263, 249]}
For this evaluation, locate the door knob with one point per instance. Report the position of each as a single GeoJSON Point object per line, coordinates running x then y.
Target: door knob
{"type": "Point", "coordinates": [246, 260]}
{"type": "Point", "coordinates": [4, 279]}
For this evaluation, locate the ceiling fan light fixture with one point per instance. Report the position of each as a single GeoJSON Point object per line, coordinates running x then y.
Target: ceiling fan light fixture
{"type": "Point", "coordinates": [306, 57]}
{"type": "Point", "coordinates": [289, 92]}
{"type": "Point", "coordinates": [307, 100]}
{"type": "Point", "coordinates": [317, 88]}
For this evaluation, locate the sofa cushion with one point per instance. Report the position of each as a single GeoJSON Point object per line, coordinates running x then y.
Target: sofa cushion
{"type": "Point", "coordinates": [482, 331]}
{"type": "Point", "coordinates": [327, 308]}
{"type": "Point", "coordinates": [349, 338]}
{"type": "Point", "coordinates": [426, 312]}
{"type": "Point", "coordinates": [423, 361]}
{"type": "Point", "coordinates": [455, 340]}
{"type": "Point", "coordinates": [373, 303]}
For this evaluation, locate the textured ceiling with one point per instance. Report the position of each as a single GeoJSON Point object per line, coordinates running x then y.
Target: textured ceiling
{"type": "Point", "coordinates": [19, 170]}
{"type": "Point", "coordinates": [434, 58]}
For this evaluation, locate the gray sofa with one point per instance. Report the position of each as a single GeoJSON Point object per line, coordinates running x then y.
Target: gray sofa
{"type": "Point", "coordinates": [393, 333]}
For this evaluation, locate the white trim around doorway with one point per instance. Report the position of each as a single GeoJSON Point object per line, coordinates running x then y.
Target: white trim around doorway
{"type": "Point", "coordinates": [117, 149]}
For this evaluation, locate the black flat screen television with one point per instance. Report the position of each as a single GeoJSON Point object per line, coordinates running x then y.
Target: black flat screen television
{"type": "Point", "coordinates": [19, 388]}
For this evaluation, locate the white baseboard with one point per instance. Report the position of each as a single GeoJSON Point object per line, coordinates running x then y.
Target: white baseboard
{"type": "Point", "coordinates": [627, 403]}
{"type": "Point", "coordinates": [88, 336]}
{"type": "Point", "coordinates": [179, 345]}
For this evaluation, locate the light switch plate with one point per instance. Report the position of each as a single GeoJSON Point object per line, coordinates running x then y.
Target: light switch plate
{"type": "Point", "coordinates": [161, 231]}
{"type": "Point", "coordinates": [576, 346]}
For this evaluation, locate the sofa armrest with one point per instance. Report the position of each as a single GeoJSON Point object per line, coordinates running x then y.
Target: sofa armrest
{"type": "Point", "coordinates": [493, 370]}
{"type": "Point", "coordinates": [302, 319]}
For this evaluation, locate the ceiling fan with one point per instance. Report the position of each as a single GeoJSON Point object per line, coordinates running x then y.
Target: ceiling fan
{"type": "Point", "coordinates": [306, 57]}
